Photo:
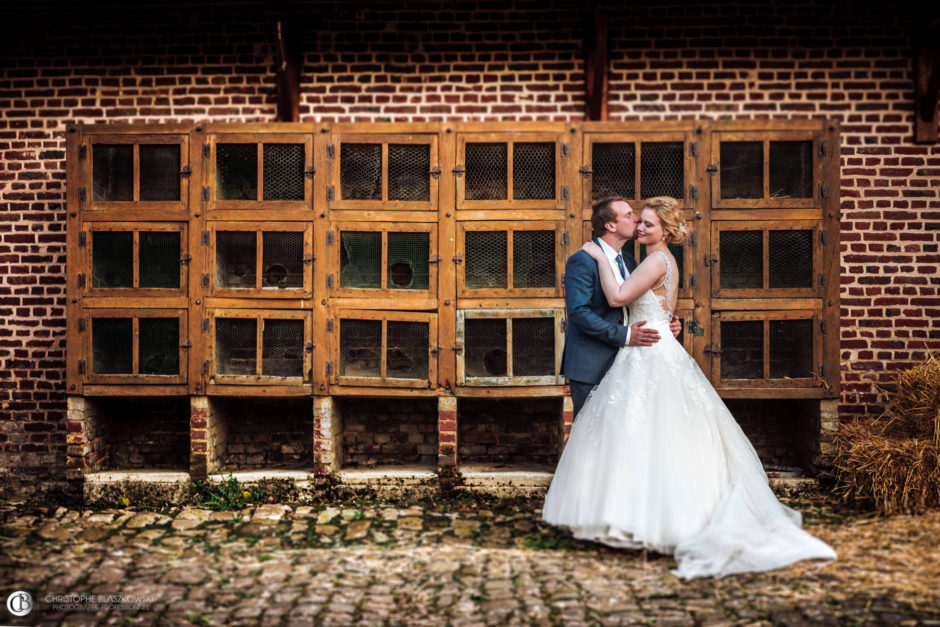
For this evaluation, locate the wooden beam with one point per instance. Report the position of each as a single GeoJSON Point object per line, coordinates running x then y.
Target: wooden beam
{"type": "Point", "coordinates": [595, 62]}
{"type": "Point", "coordinates": [287, 73]}
{"type": "Point", "coordinates": [927, 84]}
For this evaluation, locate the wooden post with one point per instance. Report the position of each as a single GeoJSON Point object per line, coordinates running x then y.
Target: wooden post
{"type": "Point", "coordinates": [595, 63]}
{"type": "Point", "coordinates": [287, 72]}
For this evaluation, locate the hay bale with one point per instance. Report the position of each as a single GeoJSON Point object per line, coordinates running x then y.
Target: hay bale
{"type": "Point", "coordinates": [915, 402]}
{"type": "Point", "coordinates": [892, 474]}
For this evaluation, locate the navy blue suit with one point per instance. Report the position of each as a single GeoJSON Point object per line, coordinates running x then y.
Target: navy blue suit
{"type": "Point", "coordinates": [595, 330]}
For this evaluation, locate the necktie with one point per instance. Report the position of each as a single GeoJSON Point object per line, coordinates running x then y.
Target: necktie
{"type": "Point", "coordinates": [621, 267]}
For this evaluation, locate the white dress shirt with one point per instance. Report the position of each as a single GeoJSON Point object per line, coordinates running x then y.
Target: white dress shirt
{"type": "Point", "coordinates": [612, 258]}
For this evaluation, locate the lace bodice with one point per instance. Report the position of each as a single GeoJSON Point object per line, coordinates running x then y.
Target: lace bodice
{"type": "Point", "coordinates": [651, 307]}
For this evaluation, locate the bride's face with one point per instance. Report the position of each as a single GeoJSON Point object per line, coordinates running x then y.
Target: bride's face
{"type": "Point", "coordinates": [650, 230]}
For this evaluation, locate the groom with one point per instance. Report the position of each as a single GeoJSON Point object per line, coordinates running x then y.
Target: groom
{"type": "Point", "coordinates": [595, 330]}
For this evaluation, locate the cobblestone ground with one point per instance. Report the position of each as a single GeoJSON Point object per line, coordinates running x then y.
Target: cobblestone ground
{"type": "Point", "coordinates": [460, 562]}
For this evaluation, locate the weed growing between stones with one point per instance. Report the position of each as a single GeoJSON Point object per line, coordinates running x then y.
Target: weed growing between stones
{"type": "Point", "coordinates": [230, 495]}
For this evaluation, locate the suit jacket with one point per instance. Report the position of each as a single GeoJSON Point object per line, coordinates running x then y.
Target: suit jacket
{"type": "Point", "coordinates": [595, 330]}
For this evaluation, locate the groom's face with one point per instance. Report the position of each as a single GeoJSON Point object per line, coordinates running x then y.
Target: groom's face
{"type": "Point", "coordinates": [625, 221]}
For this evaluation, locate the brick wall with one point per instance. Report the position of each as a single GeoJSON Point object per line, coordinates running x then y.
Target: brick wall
{"type": "Point", "coordinates": [509, 431]}
{"type": "Point", "coordinates": [462, 60]}
{"type": "Point", "coordinates": [388, 431]}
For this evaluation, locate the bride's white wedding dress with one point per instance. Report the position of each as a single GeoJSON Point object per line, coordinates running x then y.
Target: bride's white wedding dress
{"type": "Point", "coordinates": [655, 460]}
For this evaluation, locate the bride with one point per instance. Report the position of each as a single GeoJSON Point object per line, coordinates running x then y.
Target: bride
{"type": "Point", "coordinates": [655, 460]}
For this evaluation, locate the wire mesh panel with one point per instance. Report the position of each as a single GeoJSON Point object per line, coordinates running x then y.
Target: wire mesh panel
{"type": "Point", "coordinates": [741, 260]}
{"type": "Point", "coordinates": [487, 259]}
{"type": "Point", "coordinates": [360, 344]}
{"type": "Point", "coordinates": [409, 167]}
{"type": "Point", "coordinates": [533, 171]}
{"type": "Point", "coordinates": [614, 172]}
{"type": "Point", "coordinates": [407, 350]}
{"type": "Point", "coordinates": [237, 171]}
{"type": "Point", "coordinates": [284, 171]}
{"type": "Point", "coordinates": [742, 169]}
{"type": "Point", "coordinates": [111, 345]}
{"type": "Point", "coordinates": [742, 350]}
{"type": "Point", "coordinates": [160, 259]}
{"type": "Point", "coordinates": [236, 346]}
{"type": "Point", "coordinates": [485, 348]}
{"type": "Point", "coordinates": [282, 348]}
{"type": "Point", "coordinates": [282, 264]}
{"type": "Point", "coordinates": [113, 172]}
{"type": "Point", "coordinates": [533, 346]}
{"type": "Point", "coordinates": [159, 171]}
{"type": "Point", "coordinates": [662, 169]}
{"type": "Point", "coordinates": [677, 252]}
{"type": "Point", "coordinates": [790, 258]}
{"type": "Point", "coordinates": [408, 256]}
{"type": "Point", "coordinates": [235, 259]}
{"type": "Point", "coordinates": [791, 349]}
{"type": "Point", "coordinates": [533, 259]}
{"type": "Point", "coordinates": [112, 263]}
{"type": "Point", "coordinates": [487, 168]}
{"type": "Point", "coordinates": [361, 259]}
{"type": "Point", "coordinates": [361, 171]}
{"type": "Point", "coordinates": [791, 169]}
{"type": "Point", "coordinates": [158, 346]}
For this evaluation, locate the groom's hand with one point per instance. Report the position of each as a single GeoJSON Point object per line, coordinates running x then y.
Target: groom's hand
{"type": "Point", "coordinates": [675, 326]}
{"type": "Point", "coordinates": [642, 337]}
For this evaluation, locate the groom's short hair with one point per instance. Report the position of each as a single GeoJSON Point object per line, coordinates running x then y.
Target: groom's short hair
{"type": "Point", "coordinates": [602, 213]}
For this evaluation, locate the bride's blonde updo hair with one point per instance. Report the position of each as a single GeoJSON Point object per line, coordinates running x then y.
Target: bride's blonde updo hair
{"type": "Point", "coordinates": [667, 208]}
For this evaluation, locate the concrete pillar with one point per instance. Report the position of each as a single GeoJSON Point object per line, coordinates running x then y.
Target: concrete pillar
{"type": "Point", "coordinates": [446, 431]}
{"type": "Point", "coordinates": [327, 436]}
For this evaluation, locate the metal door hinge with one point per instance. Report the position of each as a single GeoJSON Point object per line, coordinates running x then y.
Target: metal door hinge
{"type": "Point", "coordinates": [186, 172]}
{"type": "Point", "coordinates": [330, 192]}
{"type": "Point", "coordinates": [822, 148]}
{"type": "Point", "coordinates": [458, 258]}
{"type": "Point", "coordinates": [693, 192]}
{"type": "Point", "coordinates": [185, 259]}
{"type": "Point", "coordinates": [205, 368]}
{"type": "Point", "coordinates": [714, 350]}
{"type": "Point", "coordinates": [586, 171]}
{"type": "Point", "coordinates": [329, 325]}
{"type": "Point", "coordinates": [205, 238]}
{"type": "Point", "coordinates": [457, 348]}
{"type": "Point", "coordinates": [565, 150]}
{"type": "Point", "coordinates": [563, 325]}
{"type": "Point", "coordinates": [434, 259]}
{"type": "Point", "coordinates": [80, 279]}
{"type": "Point", "coordinates": [82, 152]}
{"type": "Point", "coordinates": [693, 149]}
{"type": "Point", "coordinates": [459, 170]}
{"type": "Point", "coordinates": [309, 171]}
{"type": "Point", "coordinates": [712, 168]}
{"type": "Point", "coordinates": [186, 345]}
{"type": "Point", "coordinates": [693, 280]}
{"type": "Point", "coordinates": [81, 325]}
{"type": "Point", "coordinates": [205, 280]}
{"type": "Point", "coordinates": [205, 325]}
{"type": "Point", "coordinates": [822, 280]}
{"type": "Point", "coordinates": [330, 238]}
{"type": "Point", "coordinates": [329, 281]}
{"type": "Point", "coordinates": [822, 237]}
{"type": "Point", "coordinates": [309, 259]}
{"type": "Point", "coordinates": [82, 236]}
{"type": "Point", "coordinates": [822, 326]}
{"type": "Point", "coordinates": [205, 193]}
{"type": "Point", "coordinates": [435, 349]}
{"type": "Point", "coordinates": [565, 193]}
{"type": "Point", "coordinates": [82, 195]}
{"type": "Point", "coordinates": [823, 192]}
{"type": "Point", "coordinates": [692, 326]}
{"type": "Point", "coordinates": [308, 347]}
{"type": "Point", "coordinates": [693, 240]}
{"type": "Point", "coordinates": [81, 366]}
{"type": "Point", "coordinates": [206, 151]}
{"type": "Point", "coordinates": [331, 151]}
{"type": "Point", "coordinates": [435, 172]}
{"type": "Point", "coordinates": [711, 259]}
{"type": "Point", "coordinates": [565, 238]}
{"type": "Point", "coordinates": [329, 368]}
